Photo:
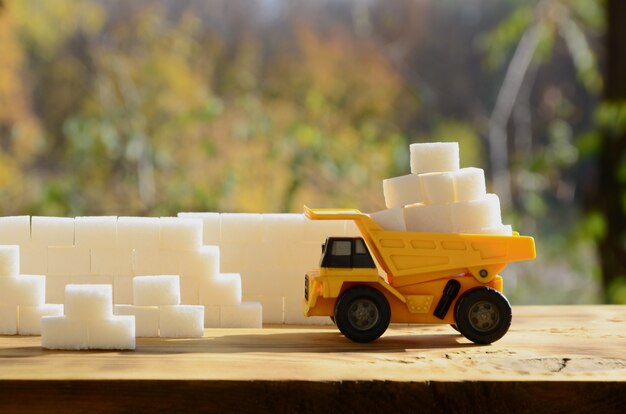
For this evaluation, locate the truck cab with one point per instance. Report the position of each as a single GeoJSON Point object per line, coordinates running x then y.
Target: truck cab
{"type": "Point", "coordinates": [346, 252]}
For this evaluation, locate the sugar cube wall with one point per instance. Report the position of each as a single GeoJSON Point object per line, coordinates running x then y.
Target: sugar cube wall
{"type": "Point", "coordinates": [15, 230]}
{"type": "Point", "coordinates": [9, 261]}
{"type": "Point", "coordinates": [184, 321]}
{"type": "Point", "coordinates": [434, 157]}
{"type": "Point", "coordinates": [26, 290]}
{"type": "Point", "coordinates": [29, 318]}
{"type": "Point", "coordinates": [60, 332]}
{"type": "Point", "coordinates": [282, 228]}
{"type": "Point", "coordinates": [203, 263]}
{"type": "Point", "coordinates": [95, 231]}
{"type": "Point", "coordinates": [240, 228]}
{"type": "Point", "coordinates": [88, 301]}
{"type": "Point", "coordinates": [181, 233]}
{"type": "Point", "coordinates": [224, 289]}
{"type": "Point", "coordinates": [156, 290]}
{"type": "Point", "coordinates": [211, 224]}
{"type": "Point", "coordinates": [116, 332]}
{"type": "Point", "coordinates": [8, 319]}
{"type": "Point", "coordinates": [244, 315]}
{"type": "Point", "coordinates": [139, 232]}
{"type": "Point", "coordinates": [52, 231]}
{"type": "Point", "coordinates": [146, 319]}
{"type": "Point", "coordinates": [402, 191]}
{"type": "Point", "coordinates": [69, 260]}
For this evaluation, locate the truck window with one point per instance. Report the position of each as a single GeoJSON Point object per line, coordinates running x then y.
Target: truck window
{"type": "Point", "coordinates": [359, 247]}
{"type": "Point", "coordinates": [341, 248]}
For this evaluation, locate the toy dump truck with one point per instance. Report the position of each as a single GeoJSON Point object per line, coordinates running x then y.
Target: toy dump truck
{"type": "Point", "coordinates": [365, 283]}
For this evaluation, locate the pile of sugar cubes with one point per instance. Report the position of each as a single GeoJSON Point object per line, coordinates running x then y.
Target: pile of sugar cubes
{"type": "Point", "coordinates": [22, 297]}
{"type": "Point", "coordinates": [157, 310]}
{"type": "Point", "coordinates": [114, 250]}
{"type": "Point", "coordinates": [88, 322]}
{"type": "Point", "coordinates": [439, 196]}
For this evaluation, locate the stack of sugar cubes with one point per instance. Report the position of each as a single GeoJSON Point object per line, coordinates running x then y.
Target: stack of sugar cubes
{"type": "Point", "coordinates": [22, 297]}
{"type": "Point", "coordinates": [88, 322]}
{"type": "Point", "coordinates": [439, 196]}
{"type": "Point", "coordinates": [158, 312]}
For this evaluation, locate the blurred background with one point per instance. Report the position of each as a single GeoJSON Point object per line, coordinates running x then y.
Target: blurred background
{"type": "Point", "coordinates": [114, 107]}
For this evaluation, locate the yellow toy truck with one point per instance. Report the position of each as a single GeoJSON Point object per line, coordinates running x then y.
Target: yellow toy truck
{"type": "Point", "coordinates": [365, 283]}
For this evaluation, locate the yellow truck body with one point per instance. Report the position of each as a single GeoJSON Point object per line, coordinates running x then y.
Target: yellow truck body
{"type": "Point", "coordinates": [413, 269]}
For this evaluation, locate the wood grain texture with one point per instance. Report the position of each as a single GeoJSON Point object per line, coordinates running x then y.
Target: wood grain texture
{"type": "Point", "coordinates": [573, 358]}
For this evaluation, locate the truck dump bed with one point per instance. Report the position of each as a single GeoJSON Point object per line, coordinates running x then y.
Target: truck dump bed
{"type": "Point", "coordinates": [415, 257]}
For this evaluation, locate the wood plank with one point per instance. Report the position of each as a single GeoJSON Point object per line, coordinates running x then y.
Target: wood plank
{"type": "Point", "coordinates": [580, 347]}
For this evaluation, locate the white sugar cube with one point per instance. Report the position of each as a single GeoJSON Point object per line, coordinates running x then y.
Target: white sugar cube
{"type": "Point", "coordinates": [139, 232]}
{"type": "Point", "coordinates": [204, 263]}
{"type": "Point", "coordinates": [212, 316]}
{"type": "Point", "coordinates": [319, 230]}
{"type": "Point", "coordinates": [29, 319]}
{"type": "Point", "coordinates": [181, 233]}
{"type": "Point", "coordinates": [438, 187]}
{"type": "Point", "coordinates": [25, 290]}
{"type": "Point", "coordinates": [244, 315]}
{"type": "Point", "coordinates": [69, 260]}
{"type": "Point", "coordinates": [98, 232]}
{"type": "Point", "coordinates": [123, 289]}
{"type": "Point", "coordinates": [351, 229]}
{"type": "Point", "coordinates": [146, 319]}
{"type": "Point", "coordinates": [156, 290]}
{"type": "Point", "coordinates": [60, 332]}
{"type": "Point", "coordinates": [88, 301]}
{"type": "Point", "coordinates": [111, 261]}
{"type": "Point", "coordinates": [273, 311]}
{"type": "Point", "coordinates": [282, 228]}
{"type": "Point", "coordinates": [116, 332]}
{"type": "Point", "coordinates": [182, 321]}
{"type": "Point", "coordinates": [502, 230]}
{"type": "Point", "coordinates": [15, 230]}
{"type": "Point", "coordinates": [402, 191]}
{"type": "Point", "coordinates": [34, 259]}
{"type": "Point", "coordinates": [55, 288]}
{"type": "Point", "coordinates": [156, 262]}
{"type": "Point", "coordinates": [190, 290]}
{"type": "Point", "coordinates": [434, 157]}
{"type": "Point", "coordinates": [432, 218]}
{"type": "Point", "coordinates": [224, 289]}
{"type": "Point", "coordinates": [211, 225]}
{"type": "Point", "coordinates": [92, 280]}
{"type": "Point", "coordinates": [240, 228]}
{"type": "Point", "coordinates": [8, 319]}
{"type": "Point", "coordinates": [469, 184]}
{"type": "Point", "coordinates": [390, 219]}
{"type": "Point", "coordinates": [9, 261]}
{"type": "Point", "coordinates": [473, 216]}
{"type": "Point", "coordinates": [53, 231]}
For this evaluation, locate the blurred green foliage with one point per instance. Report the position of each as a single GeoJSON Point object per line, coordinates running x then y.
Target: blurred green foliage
{"type": "Point", "coordinates": [155, 107]}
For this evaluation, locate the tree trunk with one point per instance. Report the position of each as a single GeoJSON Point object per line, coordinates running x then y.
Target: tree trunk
{"type": "Point", "coordinates": [611, 190]}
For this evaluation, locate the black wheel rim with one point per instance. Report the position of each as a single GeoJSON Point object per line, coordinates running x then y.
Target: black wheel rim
{"type": "Point", "coordinates": [484, 316]}
{"type": "Point", "coordinates": [363, 314]}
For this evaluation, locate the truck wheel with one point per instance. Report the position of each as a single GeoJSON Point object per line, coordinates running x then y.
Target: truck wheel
{"type": "Point", "coordinates": [362, 314]}
{"type": "Point", "coordinates": [483, 315]}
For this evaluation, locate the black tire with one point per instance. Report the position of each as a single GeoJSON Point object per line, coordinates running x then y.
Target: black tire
{"type": "Point", "coordinates": [332, 318]}
{"type": "Point", "coordinates": [483, 315]}
{"type": "Point", "coordinates": [453, 326]}
{"type": "Point", "coordinates": [362, 314]}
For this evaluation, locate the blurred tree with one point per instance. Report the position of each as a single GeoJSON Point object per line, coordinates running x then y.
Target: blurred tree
{"type": "Point", "coordinates": [608, 190]}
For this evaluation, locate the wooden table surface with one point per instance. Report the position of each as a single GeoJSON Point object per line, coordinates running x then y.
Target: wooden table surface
{"type": "Point", "coordinates": [565, 357]}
